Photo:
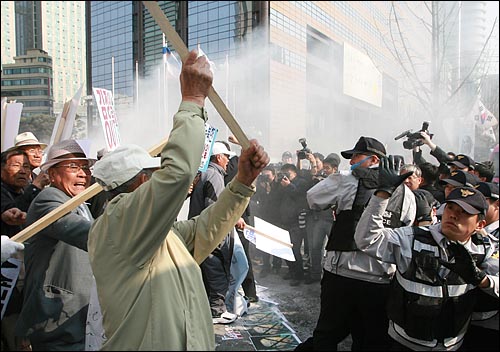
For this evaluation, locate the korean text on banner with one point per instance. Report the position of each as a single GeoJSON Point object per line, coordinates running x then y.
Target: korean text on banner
{"type": "Point", "coordinates": [10, 273]}
{"type": "Point", "coordinates": [210, 134]}
{"type": "Point", "coordinates": [105, 106]}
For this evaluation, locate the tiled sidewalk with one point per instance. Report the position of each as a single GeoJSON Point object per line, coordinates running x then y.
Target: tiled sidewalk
{"type": "Point", "coordinates": [263, 328]}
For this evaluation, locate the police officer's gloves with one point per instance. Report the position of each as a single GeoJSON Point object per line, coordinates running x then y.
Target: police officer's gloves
{"type": "Point", "coordinates": [388, 177]}
{"type": "Point", "coordinates": [464, 265]}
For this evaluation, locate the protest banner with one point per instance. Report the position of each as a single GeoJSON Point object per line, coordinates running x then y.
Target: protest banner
{"type": "Point", "coordinates": [270, 239]}
{"type": "Point", "coordinates": [11, 116]}
{"type": "Point", "coordinates": [10, 273]}
{"type": "Point", "coordinates": [106, 108]}
{"type": "Point", "coordinates": [210, 135]}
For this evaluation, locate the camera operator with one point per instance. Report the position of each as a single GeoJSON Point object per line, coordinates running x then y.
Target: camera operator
{"type": "Point", "coordinates": [294, 188]}
{"type": "Point", "coordinates": [267, 199]}
{"type": "Point", "coordinates": [436, 151]}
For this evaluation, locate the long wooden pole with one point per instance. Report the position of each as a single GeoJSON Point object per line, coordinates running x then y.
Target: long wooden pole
{"type": "Point", "coordinates": [71, 204]}
{"type": "Point", "coordinates": [182, 50]}
{"type": "Point", "coordinates": [269, 237]}
{"type": "Point", "coordinates": [219, 105]}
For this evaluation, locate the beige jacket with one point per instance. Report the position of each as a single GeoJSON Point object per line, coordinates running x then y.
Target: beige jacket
{"type": "Point", "coordinates": [146, 265]}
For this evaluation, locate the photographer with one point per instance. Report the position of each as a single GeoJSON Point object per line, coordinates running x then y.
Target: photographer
{"type": "Point", "coordinates": [306, 154]}
{"type": "Point", "coordinates": [294, 188]}
{"type": "Point", "coordinates": [441, 156]}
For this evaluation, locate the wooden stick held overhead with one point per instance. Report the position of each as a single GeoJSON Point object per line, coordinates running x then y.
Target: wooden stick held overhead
{"type": "Point", "coordinates": [219, 105]}
{"type": "Point", "coordinates": [269, 237]}
{"type": "Point", "coordinates": [180, 47]}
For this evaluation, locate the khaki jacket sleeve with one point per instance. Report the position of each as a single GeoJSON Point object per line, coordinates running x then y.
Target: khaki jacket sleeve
{"type": "Point", "coordinates": [135, 224]}
{"type": "Point", "coordinates": [204, 232]}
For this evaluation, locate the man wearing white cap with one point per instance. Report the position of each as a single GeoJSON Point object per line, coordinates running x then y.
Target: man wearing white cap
{"type": "Point", "coordinates": [146, 264]}
{"type": "Point", "coordinates": [215, 268]}
{"type": "Point", "coordinates": [28, 143]}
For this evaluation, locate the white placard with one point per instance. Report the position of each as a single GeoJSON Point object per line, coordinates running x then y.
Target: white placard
{"type": "Point", "coordinates": [270, 239]}
{"type": "Point", "coordinates": [106, 108]}
{"type": "Point", "coordinates": [11, 116]}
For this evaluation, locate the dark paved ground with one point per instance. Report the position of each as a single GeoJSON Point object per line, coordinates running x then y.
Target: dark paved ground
{"type": "Point", "coordinates": [284, 317]}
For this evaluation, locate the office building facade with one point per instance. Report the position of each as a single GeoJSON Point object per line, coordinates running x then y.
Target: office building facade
{"type": "Point", "coordinates": [58, 28]}
{"type": "Point", "coordinates": [29, 81]}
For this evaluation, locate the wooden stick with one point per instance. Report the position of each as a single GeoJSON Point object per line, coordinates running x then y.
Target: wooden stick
{"type": "Point", "coordinates": [57, 213]}
{"type": "Point", "coordinates": [269, 237]}
{"type": "Point", "coordinates": [71, 204]}
{"type": "Point", "coordinates": [180, 47]}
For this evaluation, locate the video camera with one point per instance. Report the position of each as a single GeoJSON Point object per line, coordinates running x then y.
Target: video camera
{"type": "Point", "coordinates": [414, 139]}
{"type": "Point", "coordinates": [301, 154]}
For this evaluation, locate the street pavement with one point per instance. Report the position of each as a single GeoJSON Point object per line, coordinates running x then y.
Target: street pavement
{"type": "Point", "coordinates": [262, 328]}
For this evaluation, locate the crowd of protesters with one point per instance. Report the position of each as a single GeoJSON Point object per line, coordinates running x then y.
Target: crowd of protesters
{"type": "Point", "coordinates": [406, 252]}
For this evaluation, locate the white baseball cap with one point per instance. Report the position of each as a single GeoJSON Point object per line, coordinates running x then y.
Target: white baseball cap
{"type": "Point", "coordinates": [122, 164]}
{"type": "Point", "coordinates": [221, 148]}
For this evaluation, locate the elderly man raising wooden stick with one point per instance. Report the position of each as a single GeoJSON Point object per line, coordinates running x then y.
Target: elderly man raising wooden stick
{"type": "Point", "coordinates": [145, 263]}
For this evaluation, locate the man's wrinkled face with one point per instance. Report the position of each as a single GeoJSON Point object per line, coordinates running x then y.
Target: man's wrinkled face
{"type": "Point", "coordinates": [35, 154]}
{"type": "Point", "coordinates": [17, 171]}
{"type": "Point", "coordinates": [71, 176]}
{"type": "Point", "coordinates": [457, 224]}
{"type": "Point", "coordinates": [223, 160]}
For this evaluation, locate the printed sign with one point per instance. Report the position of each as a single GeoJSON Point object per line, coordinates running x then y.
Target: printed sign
{"type": "Point", "coordinates": [10, 273]}
{"type": "Point", "coordinates": [210, 134]}
{"type": "Point", "coordinates": [11, 116]}
{"type": "Point", "coordinates": [106, 108]}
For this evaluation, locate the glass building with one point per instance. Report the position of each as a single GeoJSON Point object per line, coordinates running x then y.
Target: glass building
{"type": "Point", "coordinates": [326, 71]}
{"type": "Point", "coordinates": [112, 37]}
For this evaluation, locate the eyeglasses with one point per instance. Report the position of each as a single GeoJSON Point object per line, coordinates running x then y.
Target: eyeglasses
{"type": "Point", "coordinates": [17, 167]}
{"type": "Point", "coordinates": [75, 168]}
{"type": "Point", "coordinates": [34, 151]}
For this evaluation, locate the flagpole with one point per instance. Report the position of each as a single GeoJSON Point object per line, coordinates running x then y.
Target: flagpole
{"type": "Point", "coordinates": [137, 85]}
{"type": "Point", "coordinates": [165, 88]}
{"type": "Point", "coordinates": [227, 89]}
{"type": "Point", "coordinates": [159, 94]}
{"type": "Point", "coordinates": [113, 78]}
